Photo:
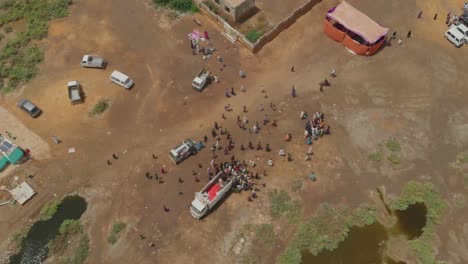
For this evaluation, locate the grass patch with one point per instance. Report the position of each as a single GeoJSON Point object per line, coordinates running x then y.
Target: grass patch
{"type": "Point", "coordinates": [376, 156]}
{"type": "Point", "coordinates": [178, 5]}
{"type": "Point", "coordinates": [462, 158]}
{"type": "Point", "coordinates": [265, 234]}
{"type": "Point", "coordinates": [117, 228]}
{"type": "Point", "coordinates": [18, 238]}
{"type": "Point", "coordinates": [50, 209]}
{"type": "Point", "coordinates": [297, 185]}
{"type": "Point", "coordinates": [100, 107]}
{"type": "Point", "coordinates": [81, 252]}
{"type": "Point", "coordinates": [393, 145]}
{"type": "Point", "coordinates": [70, 227]}
{"type": "Point", "coordinates": [326, 230]}
{"type": "Point", "coordinates": [419, 192]}
{"type": "Point", "coordinates": [394, 158]}
{"type": "Point", "coordinates": [282, 205]}
{"type": "Point", "coordinates": [19, 57]}
{"type": "Point", "coordinates": [253, 35]}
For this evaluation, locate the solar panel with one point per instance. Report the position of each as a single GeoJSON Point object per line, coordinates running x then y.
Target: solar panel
{"type": "Point", "coordinates": [7, 144]}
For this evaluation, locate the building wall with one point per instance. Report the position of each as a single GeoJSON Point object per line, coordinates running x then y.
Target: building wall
{"type": "Point", "coordinates": [243, 10]}
{"type": "Point", "coordinates": [235, 13]}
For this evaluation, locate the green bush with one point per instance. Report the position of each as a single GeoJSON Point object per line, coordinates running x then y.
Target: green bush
{"type": "Point", "coordinates": [50, 209]}
{"type": "Point", "coordinates": [100, 107]}
{"type": "Point", "coordinates": [70, 227]}
{"type": "Point", "coordinates": [179, 5]}
{"type": "Point", "coordinates": [18, 238]}
{"type": "Point", "coordinates": [393, 145]}
{"type": "Point", "coordinates": [253, 35]}
{"type": "Point", "coordinates": [81, 252]}
{"type": "Point", "coordinates": [376, 156]}
{"type": "Point", "coordinates": [117, 228]}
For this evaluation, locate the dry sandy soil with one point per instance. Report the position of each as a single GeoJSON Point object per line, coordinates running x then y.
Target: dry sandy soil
{"type": "Point", "coordinates": [415, 93]}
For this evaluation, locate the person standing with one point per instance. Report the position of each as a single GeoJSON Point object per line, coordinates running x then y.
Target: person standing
{"type": "Point", "coordinates": [206, 35]}
{"type": "Point", "coordinates": [435, 16]}
{"type": "Point", "coordinates": [409, 34]}
{"type": "Point", "coordinates": [333, 73]}
{"type": "Point", "coordinates": [420, 14]}
{"type": "Point", "coordinates": [292, 69]}
{"type": "Point", "coordinates": [293, 91]}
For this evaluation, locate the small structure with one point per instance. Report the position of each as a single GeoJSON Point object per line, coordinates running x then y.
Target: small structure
{"type": "Point", "coordinates": [22, 193]}
{"type": "Point", "coordinates": [9, 153]}
{"type": "Point", "coordinates": [358, 33]}
{"type": "Point", "coordinates": [237, 10]}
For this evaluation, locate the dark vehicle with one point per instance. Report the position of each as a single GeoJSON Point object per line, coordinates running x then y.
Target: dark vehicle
{"type": "Point", "coordinates": [29, 107]}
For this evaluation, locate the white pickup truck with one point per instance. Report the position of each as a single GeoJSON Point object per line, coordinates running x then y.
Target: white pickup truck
{"type": "Point", "coordinates": [201, 80]}
{"type": "Point", "coordinates": [93, 61]}
{"type": "Point", "coordinates": [457, 34]}
{"type": "Point", "coordinates": [210, 195]}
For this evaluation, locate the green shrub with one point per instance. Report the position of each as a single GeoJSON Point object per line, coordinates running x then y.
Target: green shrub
{"type": "Point", "coordinates": [179, 5]}
{"type": "Point", "coordinates": [376, 156]}
{"type": "Point", "coordinates": [117, 228]}
{"type": "Point", "coordinates": [100, 107]}
{"type": "Point", "coordinates": [81, 252]}
{"type": "Point", "coordinates": [393, 145]}
{"type": "Point", "coordinates": [253, 35]}
{"type": "Point", "coordinates": [70, 227]}
{"type": "Point", "coordinates": [19, 237]}
{"type": "Point", "coordinates": [394, 158]}
{"type": "Point", "coordinates": [50, 209]}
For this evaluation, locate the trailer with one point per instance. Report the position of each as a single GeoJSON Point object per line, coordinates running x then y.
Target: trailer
{"type": "Point", "coordinates": [211, 194]}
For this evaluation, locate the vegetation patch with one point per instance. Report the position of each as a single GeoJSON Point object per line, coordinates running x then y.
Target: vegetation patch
{"type": "Point", "coordinates": [376, 156]}
{"type": "Point", "coordinates": [326, 230]}
{"type": "Point", "coordinates": [253, 35]}
{"type": "Point", "coordinates": [393, 145]}
{"type": "Point", "coordinates": [178, 5]}
{"type": "Point", "coordinates": [19, 57]}
{"type": "Point", "coordinates": [117, 228]}
{"type": "Point", "coordinates": [281, 204]}
{"type": "Point", "coordinates": [70, 230]}
{"type": "Point", "coordinates": [50, 209]}
{"type": "Point", "coordinates": [419, 192]}
{"type": "Point", "coordinates": [100, 107]}
{"type": "Point", "coordinates": [18, 238]}
{"type": "Point", "coordinates": [81, 252]}
{"type": "Point", "coordinates": [297, 185]}
{"type": "Point", "coordinates": [394, 158]}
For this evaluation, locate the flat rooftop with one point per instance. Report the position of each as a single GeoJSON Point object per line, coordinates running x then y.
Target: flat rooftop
{"type": "Point", "coordinates": [22, 193]}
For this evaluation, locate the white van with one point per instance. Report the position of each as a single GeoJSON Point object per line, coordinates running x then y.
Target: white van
{"type": "Point", "coordinates": [457, 34]}
{"type": "Point", "coordinates": [121, 79]}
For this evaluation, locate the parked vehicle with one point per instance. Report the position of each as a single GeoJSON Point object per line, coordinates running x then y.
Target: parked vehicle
{"type": "Point", "coordinates": [201, 80]}
{"type": "Point", "coordinates": [75, 92]}
{"type": "Point", "coordinates": [29, 107]}
{"type": "Point", "coordinates": [210, 195]}
{"type": "Point", "coordinates": [121, 79]}
{"type": "Point", "coordinates": [93, 61]}
{"type": "Point", "coordinates": [457, 34]}
{"type": "Point", "coordinates": [187, 148]}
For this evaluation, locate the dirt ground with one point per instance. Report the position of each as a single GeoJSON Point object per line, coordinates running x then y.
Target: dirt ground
{"type": "Point", "coordinates": [415, 93]}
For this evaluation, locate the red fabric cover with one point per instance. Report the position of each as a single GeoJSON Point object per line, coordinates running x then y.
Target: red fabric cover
{"type": "Point", "coordinates": [213, 190]}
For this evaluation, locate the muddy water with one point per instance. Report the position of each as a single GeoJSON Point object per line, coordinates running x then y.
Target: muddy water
{"type": "Point", "coordinates": [364, 245]}
{"type": "Point", "coordinates": [35, 247]}
{"type": "Point", "coordinates": [412, 220]}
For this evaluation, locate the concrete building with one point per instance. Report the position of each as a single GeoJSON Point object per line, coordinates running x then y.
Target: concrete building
{"type": "Point", "coordinates": [237, 10]}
